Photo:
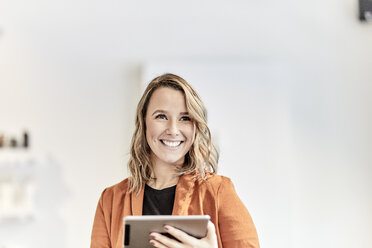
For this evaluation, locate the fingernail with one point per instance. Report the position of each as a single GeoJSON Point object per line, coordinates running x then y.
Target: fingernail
{"type": "Point", "coordinates": [166, 228]}
{"type": "Point", "coordinates": [152, 242]}
{"type": "Point", "coordinates": [152, 236]}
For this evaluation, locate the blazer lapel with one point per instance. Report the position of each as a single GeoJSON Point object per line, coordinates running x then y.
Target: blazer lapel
{"type": "Point", "coordinates": [137, 201]}
{"type": "Point", "coordinates": [184, 191]}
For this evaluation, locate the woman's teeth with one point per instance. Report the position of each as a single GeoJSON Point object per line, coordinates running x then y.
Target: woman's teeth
{"type": "Point", "coordinates": [171, 143]}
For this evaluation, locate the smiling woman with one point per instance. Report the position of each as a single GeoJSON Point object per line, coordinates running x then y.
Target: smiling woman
{"type": "Point", "coordinates": [173, 164]}
{"type": "Point", "coordinates": [172, 94]}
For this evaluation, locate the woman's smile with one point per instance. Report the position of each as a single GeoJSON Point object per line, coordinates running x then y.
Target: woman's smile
{"type": "Point", "coordinates": [171, 143]}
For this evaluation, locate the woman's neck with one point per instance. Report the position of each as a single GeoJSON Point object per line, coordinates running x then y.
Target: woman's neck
{"type": "Point", "coordinates": [165, 176]}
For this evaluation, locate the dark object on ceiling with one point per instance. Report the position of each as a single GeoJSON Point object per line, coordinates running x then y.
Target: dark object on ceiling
{"type": "Point", "coordinates": [365, 10]}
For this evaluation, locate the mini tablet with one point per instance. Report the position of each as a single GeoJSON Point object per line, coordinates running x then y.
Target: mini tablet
{"type": "Point", "coordinates": [138, 228]}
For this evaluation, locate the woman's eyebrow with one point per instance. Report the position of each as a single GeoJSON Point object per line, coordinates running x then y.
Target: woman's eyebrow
{"type": "Point", "coordinates": [159, 111]}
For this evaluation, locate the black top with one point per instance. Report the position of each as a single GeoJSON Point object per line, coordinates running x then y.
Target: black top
{"type": "Point", "coordinates": [158, 202]}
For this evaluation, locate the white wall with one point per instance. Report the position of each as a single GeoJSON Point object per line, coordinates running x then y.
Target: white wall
{"type": "Point", "coordinates": [70, 72]}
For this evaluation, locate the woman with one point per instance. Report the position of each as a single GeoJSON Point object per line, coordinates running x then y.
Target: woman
{"type": "Point", "coordinates": [172, 166]}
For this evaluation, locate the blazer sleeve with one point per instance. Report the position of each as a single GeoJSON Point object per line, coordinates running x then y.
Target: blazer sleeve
{"type": "Point", "coordinates": [235, 223]}
{"type": "Point", "coordinates": [100, 233]}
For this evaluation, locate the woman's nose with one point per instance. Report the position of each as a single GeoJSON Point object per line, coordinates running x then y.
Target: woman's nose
{"type": "Point", "coordinates": [172, 128]}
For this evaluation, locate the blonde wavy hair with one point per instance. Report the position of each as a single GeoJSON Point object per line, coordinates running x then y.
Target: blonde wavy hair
{"type": "Point", "coordinates": [202, 156]}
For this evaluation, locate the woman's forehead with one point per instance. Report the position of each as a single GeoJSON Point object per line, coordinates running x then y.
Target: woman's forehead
{"type": "Point", "coordinates": [166, 98]}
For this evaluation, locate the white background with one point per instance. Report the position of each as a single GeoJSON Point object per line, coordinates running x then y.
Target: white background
{"type": "Point", "coordinates": [293, 123]}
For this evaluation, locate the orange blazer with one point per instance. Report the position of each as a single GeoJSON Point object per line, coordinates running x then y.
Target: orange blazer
{"type": "Point", "coordinates": [214, 196]}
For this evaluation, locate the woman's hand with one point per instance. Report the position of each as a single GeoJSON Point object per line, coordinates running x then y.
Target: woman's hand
{"type": "Point", "coordinates": [161, 241]}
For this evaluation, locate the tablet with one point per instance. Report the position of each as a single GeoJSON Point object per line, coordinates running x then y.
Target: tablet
{"type": "Point", "coordinates": [138, 228]}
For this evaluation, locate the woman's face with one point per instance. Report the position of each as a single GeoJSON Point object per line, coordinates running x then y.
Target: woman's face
{"type": "Point", "coordinates": [170, 131]}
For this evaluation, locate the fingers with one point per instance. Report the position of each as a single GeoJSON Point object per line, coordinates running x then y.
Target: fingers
{"type": "Point", "coordinates": [211, 230]}
{"type": "Point", "coordinates": [157, 244]}
{"type": "Point", "coordinates": [161, 241]}
{"type": "Point", "coordinates": [211, 238]}
{"type": "Point", "coordinates": [183, 239]}
{"type": "Point", "coordinates": [180, 235]}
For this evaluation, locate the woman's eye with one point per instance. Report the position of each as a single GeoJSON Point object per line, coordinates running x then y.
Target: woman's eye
{"type": "Point", "coordinates": [161, 116]}
{"type": "Point", "coordinates": [185, 118]}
